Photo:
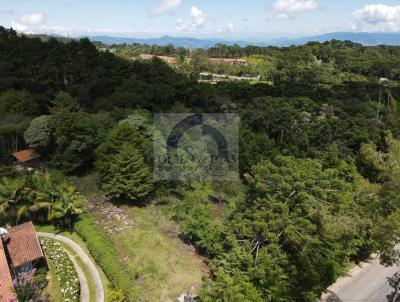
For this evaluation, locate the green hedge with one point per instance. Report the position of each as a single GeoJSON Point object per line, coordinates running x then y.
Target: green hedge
{"type": "Point", "coordinates": [106, 256]}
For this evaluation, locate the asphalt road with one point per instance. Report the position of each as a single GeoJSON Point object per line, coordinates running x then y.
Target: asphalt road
{"type": "Point", "coordinates": [367, 282]}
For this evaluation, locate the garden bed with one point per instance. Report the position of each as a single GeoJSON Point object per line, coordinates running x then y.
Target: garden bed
{"type": "Point", "coordinates": [64, 268]}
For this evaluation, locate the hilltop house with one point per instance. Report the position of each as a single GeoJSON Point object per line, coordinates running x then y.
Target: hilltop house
{"type": "Point", "coordinates": [20, 250]}
{"type": "Point", "coordinates": [241, 62]}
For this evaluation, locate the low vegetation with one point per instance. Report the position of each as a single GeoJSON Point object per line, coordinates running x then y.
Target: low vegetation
{"type": "Point", "coordinates": [104, 253]}
{"type": "Point", "coordinates": [162, 267]}
{"type": "Point", "coordinates": [67, 276]}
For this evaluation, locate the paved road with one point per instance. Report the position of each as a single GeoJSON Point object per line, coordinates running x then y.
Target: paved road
{"type": "Point", "coordinates": [367, 282]}
{"type": "Point", "coordinates": [95, 275]}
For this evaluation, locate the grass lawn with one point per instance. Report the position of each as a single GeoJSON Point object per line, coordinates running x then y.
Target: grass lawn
{"type": "Point", "coordinates": [78, 240]}
{"type": "Point", "coordinates": [156, 258]}
{"type": "Point", "coordinates": [162, 266]}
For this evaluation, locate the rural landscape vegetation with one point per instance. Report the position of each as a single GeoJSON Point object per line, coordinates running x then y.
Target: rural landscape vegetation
{"type": "Point", "coordinates": [319, 167]}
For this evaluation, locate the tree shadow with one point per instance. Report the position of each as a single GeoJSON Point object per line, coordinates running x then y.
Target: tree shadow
{"type": "Point", "coordinates": [330, 296]}
{"type": "Point", "coordinates": [394, 282]}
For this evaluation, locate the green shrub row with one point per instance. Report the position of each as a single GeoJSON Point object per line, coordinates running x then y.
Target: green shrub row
{"type": "Point", "coordinates": [106, 256]}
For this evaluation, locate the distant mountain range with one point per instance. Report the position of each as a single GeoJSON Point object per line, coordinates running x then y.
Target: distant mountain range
{"type": "Point", "coordinates": [367, 39]}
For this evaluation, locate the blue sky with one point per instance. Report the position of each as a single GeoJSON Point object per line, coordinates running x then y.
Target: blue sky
{"type": "Point", "coordinates": [255, 19]}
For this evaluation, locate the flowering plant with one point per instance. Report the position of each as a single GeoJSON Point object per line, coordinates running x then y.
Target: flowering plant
{"type": "Point", "coordinates": [66, 274]}
{"type": "Point", "coordinates": [25, 287]}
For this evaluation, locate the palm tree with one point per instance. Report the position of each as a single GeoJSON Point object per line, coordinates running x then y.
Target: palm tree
{"type": "Point", "coordinates": [66, 207]}
{"type": "Point", "coordinates": [10, 197]}
{"type": "Point", "coordinates": [39, 194]}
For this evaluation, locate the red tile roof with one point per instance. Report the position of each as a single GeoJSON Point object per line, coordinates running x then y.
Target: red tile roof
{"type": "Point", "coordinates": [6, 293]}
{"type": "Point", "coordinates": [26, 155]}
{"type": "Point", "coordinates": [23, 245]}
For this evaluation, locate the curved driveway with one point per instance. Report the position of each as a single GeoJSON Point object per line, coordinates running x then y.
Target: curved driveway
{"type": "Point", "coordinates": [84, 292]}
{"type": "Point", "coordinates": [94, 273]}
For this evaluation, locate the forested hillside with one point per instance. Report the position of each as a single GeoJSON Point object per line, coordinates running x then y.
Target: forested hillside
{"type": "Point", "coordinates": [319, 156]}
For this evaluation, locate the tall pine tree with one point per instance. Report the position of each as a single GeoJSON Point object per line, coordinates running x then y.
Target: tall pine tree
{"type": "Point", "coordinates": [129, 177]}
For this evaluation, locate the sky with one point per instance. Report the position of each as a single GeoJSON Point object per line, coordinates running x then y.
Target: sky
{"type": "Point", "coordinates": [238, 19]}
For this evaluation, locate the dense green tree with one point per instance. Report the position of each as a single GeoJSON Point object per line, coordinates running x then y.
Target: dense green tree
{"type": "Point", "coordinates": [38, 134]}
{"type": "Point", "coordinates": [129, 178]}
{"type": "Point", "coordinates": [123, 133]}
{"type": "Point", "coordinates": [17, 101]}
{"type": "Point", "coordinates": [76, 134]}
{"type": "Point", "coordinates": [227, 288]}
{"type": "Point", "coordinates": [303, 220]}
{"type": "Point", "coordinates": [384, 168]}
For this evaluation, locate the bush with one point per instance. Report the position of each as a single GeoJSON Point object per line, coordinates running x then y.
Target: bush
{"type": "Point", "coordinates": [8, 171]}
{"type": "Point", "coordinates": [116, 296]}
{"type": "Point", "coordinates": [106, 256]}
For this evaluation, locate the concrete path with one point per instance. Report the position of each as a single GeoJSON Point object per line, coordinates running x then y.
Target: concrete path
{"type": "Point", "coordinates": [94, 273]}
{"type": "Point", "coordinates": [84, 290]}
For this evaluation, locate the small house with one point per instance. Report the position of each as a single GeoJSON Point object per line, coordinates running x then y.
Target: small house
{"type": "Point", "coordinates": [27, 158]}
{"type": "Point", "coordinates": [20, 250]}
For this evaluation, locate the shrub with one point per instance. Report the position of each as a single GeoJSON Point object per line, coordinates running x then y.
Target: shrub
{"type": "Point", "coordinates": [116, 296]}
{"type": "Point", "coordinates": [26, 288]}
{"type": "Point", "coordinates": [106, 256]}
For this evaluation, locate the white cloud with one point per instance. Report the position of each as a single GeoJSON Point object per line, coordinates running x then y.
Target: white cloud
{"type": "Point", "coordinates": [198, 16]}
{"type": "Point", "coordinates": [286, 9]}
{"type": "Point", "coordinates": [165, 6]}
{"type": "Point", "coordinates": [64, 31]}
{"type": "Point", "coordinates": [197, 20]}
{"type": "Point", "coordinates": [377, 17]}
{"type": "Point", "coordinates": [18, 26]}
{"type": "Point", "coordinates": [228, 28]}
{"type": "Point", "coordinates": [32, 19]}
{"type": "Point", "coordinates": [28, 21]}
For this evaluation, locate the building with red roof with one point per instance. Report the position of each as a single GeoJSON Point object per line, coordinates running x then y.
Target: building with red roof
{"type": "Point", "coordinates": [20, 250]}
{"type": "Point", "coordinates": [27, 158]}
{"type": "Point", "coordinates": [6, 285]}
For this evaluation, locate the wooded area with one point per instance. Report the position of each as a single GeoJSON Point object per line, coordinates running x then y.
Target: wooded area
{"type": "Point", "coordinates": [319, 154]}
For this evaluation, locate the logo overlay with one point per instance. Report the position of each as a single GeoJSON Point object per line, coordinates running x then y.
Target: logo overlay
{"type": "Point", "coordinates": [196, 146]}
